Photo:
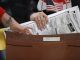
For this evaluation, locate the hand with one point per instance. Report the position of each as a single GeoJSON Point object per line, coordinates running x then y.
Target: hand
{"type": "Point", "coordinates": [40, 18]}
{"type": "Point", "coordinates": [15, 26]}
{"type": "Point", "coordinates": [21, 29]}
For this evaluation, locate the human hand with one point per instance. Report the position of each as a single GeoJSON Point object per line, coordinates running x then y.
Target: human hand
{"type": "Point", "coordinates": [40, 18]}
{"type": "Point", "coordinates": [14, 25]}
{"type": "Point", "coordinates": [21, 29]}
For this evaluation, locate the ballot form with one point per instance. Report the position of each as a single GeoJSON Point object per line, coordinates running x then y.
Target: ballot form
{"type": "Point", "coordinates": [66, 21]}
{"type": "Point", "coordinates": [63, 22]}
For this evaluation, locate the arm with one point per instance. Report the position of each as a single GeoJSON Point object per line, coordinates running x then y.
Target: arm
{"type": "Point", "coordinates": [10, 21]}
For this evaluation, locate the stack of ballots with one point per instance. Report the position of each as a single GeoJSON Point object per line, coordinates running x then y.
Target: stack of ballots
{"type": "Point", "coordinates": [64, 22]}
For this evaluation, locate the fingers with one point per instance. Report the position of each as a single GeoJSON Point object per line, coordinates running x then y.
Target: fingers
{"type": "Point", "coordinates": [26, 31]}
{"type": "Point", "coordinates": [41, 19]}
{"type": "Point", "coordinates": [45, 17]}
{"type": "Point", "coordinates": [39, 22]}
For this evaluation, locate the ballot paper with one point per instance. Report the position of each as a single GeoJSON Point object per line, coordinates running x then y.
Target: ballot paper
{"type": "Point", "coordinates": [67, 21]}
{"type": "Point", "coordinates": [63, 22]}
